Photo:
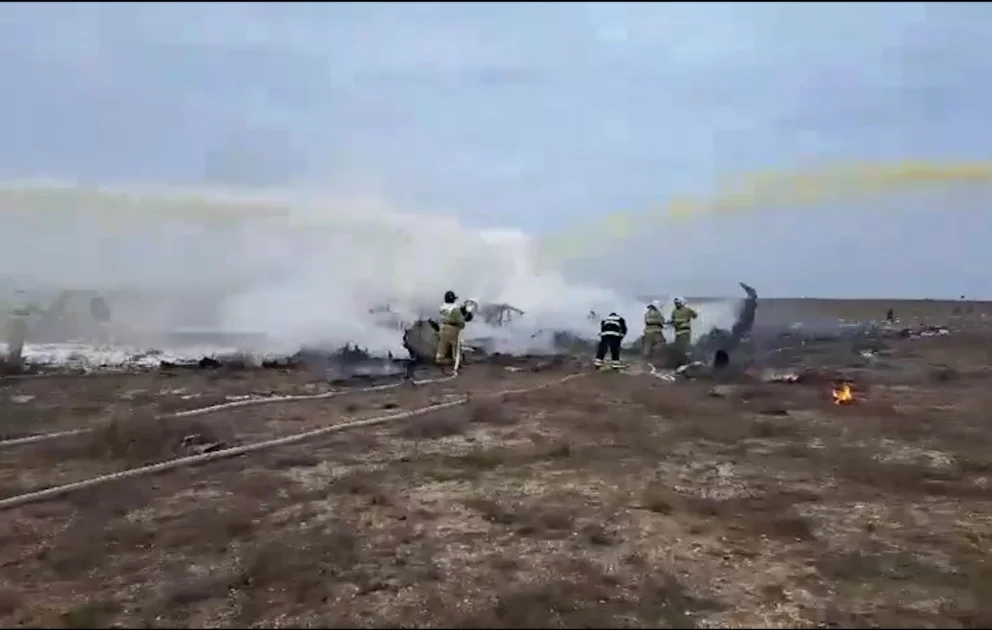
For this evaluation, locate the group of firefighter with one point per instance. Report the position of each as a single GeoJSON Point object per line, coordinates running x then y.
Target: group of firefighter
{"type": "Point", "coordinates": [453, 318]}
{"type": "Point", "coordinates": [612, 330]}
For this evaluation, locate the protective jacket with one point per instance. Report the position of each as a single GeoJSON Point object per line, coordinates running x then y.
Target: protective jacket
{"type": "Point", "coordinates": [613, 326]}
{"type": "Point", "coordinates": [653, 320]}
{"type": "Point", "coordinates": [682, 318]}
{"type": "Point", "coordinates": [455, 316]}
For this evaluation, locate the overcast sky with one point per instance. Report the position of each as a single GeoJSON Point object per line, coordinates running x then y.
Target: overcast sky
{"type": "Point", "coordinates": [536, 116]}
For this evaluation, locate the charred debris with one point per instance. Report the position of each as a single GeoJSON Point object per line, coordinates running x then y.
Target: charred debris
{"type": "Point", "coordinates": [742, 345]}
{"type": "Point", "coordinates": [420, 341]}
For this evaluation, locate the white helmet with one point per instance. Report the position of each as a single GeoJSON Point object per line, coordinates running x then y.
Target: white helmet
{"type": "Point", "coordinates": [677, 301]}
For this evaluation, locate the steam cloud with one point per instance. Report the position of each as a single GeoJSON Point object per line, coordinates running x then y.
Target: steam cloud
{"type": "Point", "coordinates": [297, 270]}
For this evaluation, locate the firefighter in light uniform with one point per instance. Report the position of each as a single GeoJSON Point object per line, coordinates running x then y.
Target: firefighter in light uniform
{"type": "Point", "coordinates": [681, 321]}
{"type": "Point", "coordinates": [453, 320]}
{"type": "Point", "coordinates": [612, 330]}
{"type": "Point", "coordinates": [653, 323]}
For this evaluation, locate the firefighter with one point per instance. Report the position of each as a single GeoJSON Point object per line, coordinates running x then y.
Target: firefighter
{"type": "Point", "coordinates": [453, 320]}
{"type": "Point", "coordinates": [612, 330]}
{"type": "Point", "coordinates": [653, 323]}
{"type": "Point", "coordinates": [681, 321]}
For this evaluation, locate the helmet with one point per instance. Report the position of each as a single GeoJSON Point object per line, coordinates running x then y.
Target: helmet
{"type": "Point", "coordinates": [653, 306]}
{"type": "Point", "coordinates": [678, 301]}
{"type": "Point", "coordinates": [449, 297]}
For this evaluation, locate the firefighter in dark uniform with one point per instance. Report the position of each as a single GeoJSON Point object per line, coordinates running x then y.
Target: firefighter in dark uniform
{"type": "Point", "coordinates": [612, 330]}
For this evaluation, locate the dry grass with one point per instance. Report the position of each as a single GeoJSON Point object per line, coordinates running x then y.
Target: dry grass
{"type": "Point", "coordinates": [612, 501]}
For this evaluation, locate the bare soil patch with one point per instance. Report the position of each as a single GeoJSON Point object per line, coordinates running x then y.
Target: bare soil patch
{"type": "Point", "coordinates": [610, 501]}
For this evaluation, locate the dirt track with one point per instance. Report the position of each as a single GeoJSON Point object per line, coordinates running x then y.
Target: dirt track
{"type": "Point", "coordinates": [613, 500]}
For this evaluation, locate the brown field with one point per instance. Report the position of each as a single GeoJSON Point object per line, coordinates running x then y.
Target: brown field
{"type": "Point", "coordinates": [931, 310]}
{"type": "Point", "coordinates": [611, 500]}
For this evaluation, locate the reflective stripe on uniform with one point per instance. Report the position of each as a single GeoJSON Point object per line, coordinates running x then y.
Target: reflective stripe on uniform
{"type": "Point", "coordinates": [682, 320]}
{"type": "Point", "coordinates": [653, 322]}
{"type": "Point", "coordinates": [611, 321]}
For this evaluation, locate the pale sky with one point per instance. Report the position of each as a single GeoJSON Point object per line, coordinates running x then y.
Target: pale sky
{"type": "Point", "coordinates": [535, 116]}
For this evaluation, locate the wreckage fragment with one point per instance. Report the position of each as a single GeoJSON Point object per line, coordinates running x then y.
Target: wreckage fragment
{"type": "Point", "coordinates": [345, 364]}
{"type": "Point", "coordinates": [351, 362]}
{"type": "Point", "coordinates": [420, 339]}
{"type": "Point", "coordinates": [498, 314]}
{"type": "Point", "coordinates": [387, 318]}
{"type": "Point", "coordinates": [721, 360]}
{"type": "Point", "coordinates": [781, 376]}
{"type": "Point", "coordinates": [717, 344]}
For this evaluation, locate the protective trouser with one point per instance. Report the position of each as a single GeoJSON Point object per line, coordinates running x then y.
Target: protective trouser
{"type": "Point", "coordinates": [653, 339]}
{"type": "Point", "coordinates": [609, 343]}
{"type": "Point", "coordinates": [683, 339]}
{"type": "Point", "coordinates": [447, 344]}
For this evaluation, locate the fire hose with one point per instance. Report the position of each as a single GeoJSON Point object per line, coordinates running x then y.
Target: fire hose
{"type": "Point", "coordinates": [194, 460]}
{"type": "Point", "coordinates": [33, 439]}
{"type": "Point", "coordinates": [251, 402]}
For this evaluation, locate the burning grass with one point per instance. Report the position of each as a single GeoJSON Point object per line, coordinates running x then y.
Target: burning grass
{"type": "Point", "coordinates": [843, 394]}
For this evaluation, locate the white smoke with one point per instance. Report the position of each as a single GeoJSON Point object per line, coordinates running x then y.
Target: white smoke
{"type": "Point", "coordinates": [300, 270]}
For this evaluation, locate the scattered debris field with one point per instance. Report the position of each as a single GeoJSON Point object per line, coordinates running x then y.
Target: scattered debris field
{"type": "Point", "coordinates": [857, 494]}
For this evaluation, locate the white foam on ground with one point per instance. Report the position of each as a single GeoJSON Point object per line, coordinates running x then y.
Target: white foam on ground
{"type": "Point", "coordinates": [297, 270]}
{"type": "Point", "coordinates": [83, 356]}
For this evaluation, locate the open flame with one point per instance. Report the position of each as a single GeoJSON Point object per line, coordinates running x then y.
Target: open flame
{"type": "Point", "coordinates": [843, 395]}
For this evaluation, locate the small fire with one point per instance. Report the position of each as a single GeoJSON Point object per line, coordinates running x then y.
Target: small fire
{"type": "Point", "coordinates": [843, 395]}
